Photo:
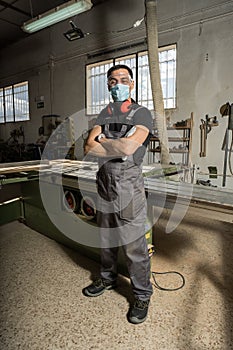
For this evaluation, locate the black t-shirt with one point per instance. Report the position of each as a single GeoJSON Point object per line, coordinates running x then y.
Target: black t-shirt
{"type": "Point", "coordinates": [115, 118]}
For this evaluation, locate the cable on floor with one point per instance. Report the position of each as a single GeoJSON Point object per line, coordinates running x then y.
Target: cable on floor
{"type": "Point", "coordinates": [164, 273]}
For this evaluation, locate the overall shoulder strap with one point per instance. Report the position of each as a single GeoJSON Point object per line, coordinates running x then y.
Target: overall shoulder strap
{"type": "Point", "coordinates": [133, 111]}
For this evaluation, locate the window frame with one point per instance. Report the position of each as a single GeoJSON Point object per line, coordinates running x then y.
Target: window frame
{"type": "Point", "coordinates": [14, 104]}
{"type": "Point", "coordinates": [89, 100]}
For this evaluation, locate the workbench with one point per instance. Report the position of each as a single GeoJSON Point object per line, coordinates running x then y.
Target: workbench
{"type": "Point", "coordinates": [211, 202]}
{"type": "Point", "coordinates": [216, 203]}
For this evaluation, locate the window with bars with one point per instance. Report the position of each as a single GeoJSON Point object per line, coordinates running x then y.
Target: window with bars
{"type": "Point", "coordinates": [96, 83]}
{"type": "Point", "coordinates": [14, 103]}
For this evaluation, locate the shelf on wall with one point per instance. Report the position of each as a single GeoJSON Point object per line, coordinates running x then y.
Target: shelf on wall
{"type": "Point", "coordinates": [184, 137]}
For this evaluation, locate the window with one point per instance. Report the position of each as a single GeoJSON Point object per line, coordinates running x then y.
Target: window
{"type": "Point", "coordinates": [14, 103]}
{"type": "Point", "coordinates": [2, 113]}
{"type": "Point", "coordinates": [98, 95]}
{"type": "Point", "coordinates": [144, 87]}
{"type": "Point", "coordinates": [97, 85]}
{"type": "Point", "coordinates": [167, 61]}
{"type": "Point", "coordinates": [131, 62]}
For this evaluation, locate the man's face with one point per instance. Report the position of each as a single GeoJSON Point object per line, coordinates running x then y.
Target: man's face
{"type": "Point", "coordinates": [120, 76]}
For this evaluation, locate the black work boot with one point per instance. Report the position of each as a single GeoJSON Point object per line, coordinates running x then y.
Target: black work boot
{"type": "Point", "coordinates": [138, 313]}
{"type": "Point", "coordinates": [98, 287]}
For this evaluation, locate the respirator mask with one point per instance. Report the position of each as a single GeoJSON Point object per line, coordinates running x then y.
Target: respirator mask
{"type": "Point", "coordinates": [120, 92]}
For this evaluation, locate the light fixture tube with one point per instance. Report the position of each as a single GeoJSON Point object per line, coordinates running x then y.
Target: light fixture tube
{"type": "Point", "coordinates": [58, 14]}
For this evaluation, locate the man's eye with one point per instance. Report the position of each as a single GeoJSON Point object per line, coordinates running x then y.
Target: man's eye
{"type": "Point", "coordinates": [112, 82]}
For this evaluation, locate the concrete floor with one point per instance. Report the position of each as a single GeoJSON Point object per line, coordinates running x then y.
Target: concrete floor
{"type": "Point", "coordinates": [42, 306]}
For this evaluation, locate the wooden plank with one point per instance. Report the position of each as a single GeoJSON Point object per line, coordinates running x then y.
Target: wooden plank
{"type": "Point", "coordinates": [17, 167]}
{"type": "Point", "coordinates": [25, 163]}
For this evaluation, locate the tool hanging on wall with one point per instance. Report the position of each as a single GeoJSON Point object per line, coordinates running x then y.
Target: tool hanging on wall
{"type": "Point", "coordinates": [227, 110]}
{"type": "Point", "coordinates": [206, 127]}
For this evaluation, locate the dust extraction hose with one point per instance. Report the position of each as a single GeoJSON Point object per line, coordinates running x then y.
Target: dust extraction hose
{"type": "Point", "coordinates": [157, 93]}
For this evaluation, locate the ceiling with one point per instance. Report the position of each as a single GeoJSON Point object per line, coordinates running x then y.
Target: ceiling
{"type": "Point", "coordinates": [14, 12]}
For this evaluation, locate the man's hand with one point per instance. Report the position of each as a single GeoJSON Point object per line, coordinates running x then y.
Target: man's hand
{"type": "Point", "coordinates": [93, 146]}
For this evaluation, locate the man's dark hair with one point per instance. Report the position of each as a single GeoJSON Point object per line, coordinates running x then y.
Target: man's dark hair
{"type": "Point", "coordinates": [119, 66]}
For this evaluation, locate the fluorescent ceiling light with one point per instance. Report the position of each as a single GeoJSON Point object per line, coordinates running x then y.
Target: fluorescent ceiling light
{"type": "Point", "coordinates": [58, 14]}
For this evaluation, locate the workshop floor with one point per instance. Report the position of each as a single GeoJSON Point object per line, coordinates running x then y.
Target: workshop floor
{"type": "Point", "coordinates": [42, 306]}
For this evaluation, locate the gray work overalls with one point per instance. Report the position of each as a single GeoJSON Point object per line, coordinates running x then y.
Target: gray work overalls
{"type": "Point", "coordinates": [121, 214]}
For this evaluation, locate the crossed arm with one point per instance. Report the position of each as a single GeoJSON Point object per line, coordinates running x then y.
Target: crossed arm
{"type": "Point", "coordinates": [124, 146]}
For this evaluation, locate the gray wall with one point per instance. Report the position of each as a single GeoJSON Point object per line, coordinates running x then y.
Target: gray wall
{"type": "Point", "coordinates": [55, 67]}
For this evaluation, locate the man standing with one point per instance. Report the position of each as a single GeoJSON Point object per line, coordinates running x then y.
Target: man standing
{"type": "Point", "coordinates": [119, 140]}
